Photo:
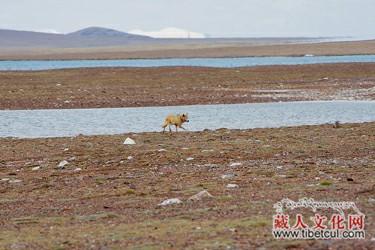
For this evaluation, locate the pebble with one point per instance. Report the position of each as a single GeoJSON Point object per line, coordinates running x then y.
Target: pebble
{"type": "Point", "coordinates": [232, 186]}
{"type": "Point", "coordinates": [130, 158]}
{"type": "Point", "coordinates": [371, 200]}
{"type": "Point", "coordinates": [170, 202]}
{"type": "Point", "coordinates": [162, 150]}
{"type": "Point", "coordinates": [235, 164]}
{"type": "Point", "coordinates": [189, 158]}
{"type": "Point", "coordinates": [35, 168]}
{"type": "Point", "coordinates": [77, 169]}
{"type": "Point", "coordinates": [207, 150]}
{"type": "Point", "coordinates": [200, 196]}
{"type": "Point", "coordinates": [129, 141]}
{"type": "Point", "coordinates": [279, 167]}
{"type": "Point", "coordinates": [227, 176]}
{"type": "Point", "coordinates": [5, 179]}
{"type": "Point", "coordinates": [184, 148]}
{"type": "Point", "coordinates": [62, 164]}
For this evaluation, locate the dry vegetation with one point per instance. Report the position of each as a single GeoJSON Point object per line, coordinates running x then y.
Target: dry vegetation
{"type": "Point", "coordinates": [112, 202]}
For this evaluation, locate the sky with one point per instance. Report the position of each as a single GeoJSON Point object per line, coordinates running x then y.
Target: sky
{"type": "Point", "coordinates": [213, 18]}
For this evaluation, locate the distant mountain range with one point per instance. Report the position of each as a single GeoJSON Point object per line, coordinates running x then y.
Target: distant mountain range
{"type": "Point", "coordinates": [89, 37]}
{"type": "Point", "coordinates": [104, 37]}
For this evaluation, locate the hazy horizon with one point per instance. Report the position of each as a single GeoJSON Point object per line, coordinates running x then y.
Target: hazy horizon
{"type": "Point", "coordinates": [196, 19]}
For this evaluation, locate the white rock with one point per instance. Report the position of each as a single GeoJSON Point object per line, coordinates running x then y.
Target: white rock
{"type": "Point", "coordinates": [66, 149]}
{"type": "Point", "coordinates": [170, 202]}
{"type": "Point", "coordinates": [162, 150]}
{"type": "Point", "coordinates": [227, 176]}
{"type": "Point", "coordinates": [201, 195]}
{"type": "Point", "coordinates": [207, 150]}
{"type": "Point", "coordinates": [77, 169]}
{"type": "Point", "coordinates": [371, 200]}
{"type": "Point", "coordinates": [130, 157]}
{"type": "Point", "coordinates": [279, 167]}
{"type": "Point", "coordinates": [15, 181]}
{"type": "Point", "coordinates": [235, 164]}
{"type": "Point", "coordinates": [189, 158]}
{"type": "Point", "coordinates": [5, 179]}
{"type": "Point", "coordinates": [62, 164]}
{"type": "Point", "coordinates": [35, 168]}
{"type": "Point", "coordinates": [232, 186]}
{"type": "Point", "coordinates": [129, 141]}
{"type": "Point", "coordinates": [184, 148]}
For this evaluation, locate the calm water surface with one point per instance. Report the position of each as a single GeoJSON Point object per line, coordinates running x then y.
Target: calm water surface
{"type": "Point", "coordinates": [71, 122]}
{"type": "Point", "coordinates": [206, 62]}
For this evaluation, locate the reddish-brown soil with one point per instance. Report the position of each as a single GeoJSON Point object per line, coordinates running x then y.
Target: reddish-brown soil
{"type": "Point", "coordinates": [129, 87]}
{"type": "Point", "coordinates": [112, 201]}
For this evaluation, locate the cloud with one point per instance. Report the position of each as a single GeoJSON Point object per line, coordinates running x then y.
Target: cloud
{"type": "Point", "coordinates": [169, 33]}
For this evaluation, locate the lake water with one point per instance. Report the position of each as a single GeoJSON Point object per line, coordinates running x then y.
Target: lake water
{"type": "Point", "coordinates": [206, 62]}
{"type": "Point", "coordinates": [71, 122]}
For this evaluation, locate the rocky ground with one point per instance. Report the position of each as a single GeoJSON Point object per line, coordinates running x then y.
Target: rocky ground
{"type": "Point", "coordinates": [107, 194]}
{"type": "Point", "coordinates": [129, 87]}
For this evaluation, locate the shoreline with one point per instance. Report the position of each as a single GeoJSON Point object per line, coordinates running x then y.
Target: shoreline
{"type": "Point", "coordinates": [205, 104]}
{"type": "Point", "coordinates": [192, 57]}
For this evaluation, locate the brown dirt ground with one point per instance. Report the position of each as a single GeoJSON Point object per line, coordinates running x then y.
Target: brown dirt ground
{"type": "Point", "coordinates": [129, 87]}
{"type": "Point", "coordinates": [191, 50]}
{"type": "Point", "coordinates": [112, 203]}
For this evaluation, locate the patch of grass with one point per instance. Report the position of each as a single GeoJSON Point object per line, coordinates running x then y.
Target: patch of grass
{"type": "Point", "coordinates": [325, 183]}
{"type": "Point", "coordinates": [130, 191]}
{"type": "Point", "coordinates": [201, 232]}
{"type": "Point", "coordinates": [225, 198]}
{"type": "Point", "coordinates": [25, 220]}
{"type": "Point", "coordinates": [95, 217]}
